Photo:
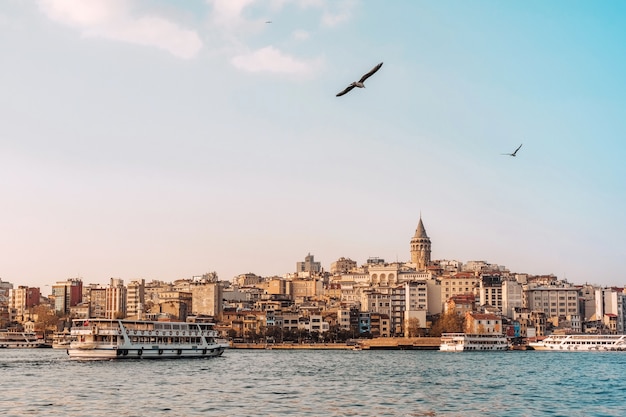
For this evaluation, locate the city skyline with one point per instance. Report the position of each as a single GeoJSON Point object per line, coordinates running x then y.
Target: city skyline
{"type": "Point", "coordinates": [161, 141]}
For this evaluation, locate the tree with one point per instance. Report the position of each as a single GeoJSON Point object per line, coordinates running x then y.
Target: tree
{"type": "Point", "coordinates": [46, 318]}
{"type": "Point", "coordinates": [449, 322]}
{"type": "Point", "coordinates": [413, 328]}
{"type": "Point", "coordinates": [274, 333]}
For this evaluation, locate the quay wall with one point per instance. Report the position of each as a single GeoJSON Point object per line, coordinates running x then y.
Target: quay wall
{"type": "Point", "coordinates": [405, 343]}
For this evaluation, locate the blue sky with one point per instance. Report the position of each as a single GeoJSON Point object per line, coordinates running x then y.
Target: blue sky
{"type": "Point", "coordinates": [161, 140]}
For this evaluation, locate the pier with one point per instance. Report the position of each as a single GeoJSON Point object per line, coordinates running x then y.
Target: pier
{"type": "Point", "coordinates": [383, 343]}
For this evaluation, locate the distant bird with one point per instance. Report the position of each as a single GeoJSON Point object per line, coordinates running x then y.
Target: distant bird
{"type": "Point", "coordinates": [361, 81]}
{"type": "Point", "coordinates": [514, 152]}
{"type": "Point", "coordinates": [269, 21]}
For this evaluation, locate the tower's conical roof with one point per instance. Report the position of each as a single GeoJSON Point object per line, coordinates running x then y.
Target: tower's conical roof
{"type": "Point", "coordinates": [420, 232]}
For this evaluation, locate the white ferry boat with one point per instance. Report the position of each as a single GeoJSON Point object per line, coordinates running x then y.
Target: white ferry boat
{"type": "Point", "coordinates": [461, 342]}
{"type": "Point", "coordinates": [13, 339]}
{"type": "Point", "coordinates": [62, 340]}
{"type": "Point", "coordinates": [581, 342]}
{"type": "Point", "coordinates": [124, 339]}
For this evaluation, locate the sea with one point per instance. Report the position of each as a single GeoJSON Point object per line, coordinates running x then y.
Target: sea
{"type": "Point", "coordinates": [44, 382]}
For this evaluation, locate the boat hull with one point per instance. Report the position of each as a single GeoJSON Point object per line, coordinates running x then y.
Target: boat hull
{"type": "Point", "coordinates": [141, 353]}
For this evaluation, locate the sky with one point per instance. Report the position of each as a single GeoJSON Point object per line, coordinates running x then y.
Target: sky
{"type": "Point", "coordinates": [162, 140]}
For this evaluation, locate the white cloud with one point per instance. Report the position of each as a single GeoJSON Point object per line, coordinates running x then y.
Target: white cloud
{"type": "Point", "coordinates": [341, 13]}
{"type": "Point", "coordinates": [113, 19]}
{"type": "Point", "coordinates": [229, 12]}
{"type": "Point", "coordinates": [301, 35]}
{"type": "Point", "coordinates": [270, 59]}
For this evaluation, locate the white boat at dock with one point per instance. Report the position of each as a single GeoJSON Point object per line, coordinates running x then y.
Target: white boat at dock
{"type": "Point", "coordinates": [62, 340]}
{"type": "Point", "coordinates": [12, 339]}
{"type": "Point", "coordinates": [462, 342]}
{"type": "Point", "coordinates": [581, 342]}
{"type": "Point", "coordinates": [97, 339]}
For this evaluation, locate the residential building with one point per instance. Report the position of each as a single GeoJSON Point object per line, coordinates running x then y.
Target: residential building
{"type": "Point", "coordinates": [115, 303]}
{"type": "Point", "coordinates": [308, 267]}
{"type": "Point", "coordinates": [479, 323]}
{"type": "Point", "coordinates": [67, 294]}
{"type": "Point", "coordinates": [136, 298]}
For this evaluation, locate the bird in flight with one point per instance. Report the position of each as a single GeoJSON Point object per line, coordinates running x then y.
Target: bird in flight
{"type": "Point", "coordinates": [361, 81]}
{"type": "Point", "coordinates": [514, 152]}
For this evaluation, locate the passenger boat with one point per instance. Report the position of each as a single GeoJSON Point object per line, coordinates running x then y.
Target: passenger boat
{"type": "Point", "coordinates": [461, 342]}
{"type": "Point", "coordinates": [581, 342]}
{"type": "Point", "coordinates": [20, 339]}
{"type": "Point", "coordinates": [62, 340]}
{"type": "Point", "coordinates": [96, 339]}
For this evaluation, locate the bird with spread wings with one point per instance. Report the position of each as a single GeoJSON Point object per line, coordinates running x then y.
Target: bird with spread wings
{"type": "Point", "coordinates": [514, 152]}
{"type": "Point", "coordinates": [359, 83]}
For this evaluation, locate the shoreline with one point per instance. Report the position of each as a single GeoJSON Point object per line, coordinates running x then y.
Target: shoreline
{"type": "Point", "coordinates": [395, 343]}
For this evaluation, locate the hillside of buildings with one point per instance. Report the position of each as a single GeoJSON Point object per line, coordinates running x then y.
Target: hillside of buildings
{"type": "Point", "coordinates": [422, 297]}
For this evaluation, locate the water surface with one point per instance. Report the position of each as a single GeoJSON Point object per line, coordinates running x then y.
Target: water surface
{"type": "Point", "coordinates": [43, 382]}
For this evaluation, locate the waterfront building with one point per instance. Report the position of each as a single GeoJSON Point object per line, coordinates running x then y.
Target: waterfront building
{"type": "Point", "coordinates": [67, 294]}
{"type": "Point", "coordinates": [22, 299]}
{"type": "Point", "coordinates": [380, 325]}
{"type": "Point", "coordinates": [458, 284]}
{"type": "Point", "coordinates": [135, 298]}
{"type": "Point", "coordinates": [115, 303]}
{"type": "Point", "coordinates": [315, 323]}
{"type": "Point", "coordinates": [365, 323]}
{"type": "Point", "coordinates": [512, 297]}
{"type": "Point", "coordinates": [5, 310]}
{"type": "Point", "coordinates": [177, 304]}
{"type": "Point", "coordinates": [374, 301]}
{"type": "Point", "coordinates": [553, 301]}
{"type": "Point", "coordinates": [490, 291]}
{"type": "Point", "coordinates": [460, 304]}
{"type": "Point", "coordinates": [97, 302]}
{"type": "Point", "coordinates": [610, 308]}
{"type": "Point", "coordinates": [348, 318]}
{"type": "Point", "coordinates": [398, 306]}
{"type": "Point", "coordinates": [587, 301]}
{"type": "Point", "coordinates": [206, 298]}
{"type": "Point", "coordinates": [480, 323]}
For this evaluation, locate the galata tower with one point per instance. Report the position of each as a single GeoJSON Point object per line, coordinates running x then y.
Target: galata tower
{"type": "Point", "coordinates": [420, 247]}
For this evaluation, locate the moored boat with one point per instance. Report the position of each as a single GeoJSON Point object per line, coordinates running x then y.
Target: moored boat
{"type": "Point", "coordinates": [21, 340]}
{"type": "Point", "coordinates": [97, 339]}
{"type": "Point", "coordinates": [581, 342]}
{"type": "Point", "coordinates": [463, 342]}
{"type": "Point", "coordinates": [62, 340]}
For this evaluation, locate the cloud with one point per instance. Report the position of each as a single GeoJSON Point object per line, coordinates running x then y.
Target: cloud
{"type": "Point", "coordinates": [114, 20]}
{"type": "Point", "coordinates": [301, 35]}
{"type": "Point", "coordinates": [228, 13]}
{"type": "Point", "coordinates": [270, 59]}
{"type": "Point", "coordinates": [342, 12]}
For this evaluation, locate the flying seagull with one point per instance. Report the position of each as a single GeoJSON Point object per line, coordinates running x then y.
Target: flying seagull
{"type": "Point", "coordinates": [514, 152]}
{"type": "Point", "coordinates": [361, 81]}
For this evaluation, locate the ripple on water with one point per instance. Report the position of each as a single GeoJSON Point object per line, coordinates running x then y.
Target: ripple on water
{"type": "Point", "coordinates": [316, 383]}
